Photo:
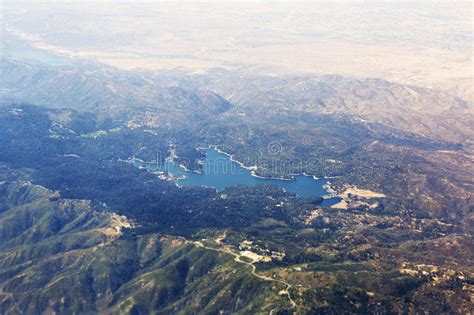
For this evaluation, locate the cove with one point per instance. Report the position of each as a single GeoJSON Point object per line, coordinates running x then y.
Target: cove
{"type": "Point", "coordinates": [220, 172]}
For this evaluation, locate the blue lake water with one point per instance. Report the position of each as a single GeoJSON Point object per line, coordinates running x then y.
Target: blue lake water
{"type": "Point", "coordinates": [220, 172]}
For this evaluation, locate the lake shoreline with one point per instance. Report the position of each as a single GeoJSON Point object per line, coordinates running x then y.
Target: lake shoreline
{"type": "Point", "coordinates": [254, 168]}
{"type": "Point", "coordinates": [305, 188]}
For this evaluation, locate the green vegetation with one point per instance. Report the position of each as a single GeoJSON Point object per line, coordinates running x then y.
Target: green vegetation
{"type": "Point", "coordinates": [63, 251]}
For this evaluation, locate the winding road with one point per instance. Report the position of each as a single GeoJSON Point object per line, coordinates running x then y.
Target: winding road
{"type": "Point", "coordinates": [286, 291]}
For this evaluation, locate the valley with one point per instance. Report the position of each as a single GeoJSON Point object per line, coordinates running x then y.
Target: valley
{"type": "Point", "coordinates": [265, 249]}
{"type": "Point", "coordinates": [233, 189]}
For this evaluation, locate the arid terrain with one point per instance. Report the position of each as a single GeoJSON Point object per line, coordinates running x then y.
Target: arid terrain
{"type": "Point", "coordinates": [420, 44]}
{"type": "Point", "coordinates": [107, 109]}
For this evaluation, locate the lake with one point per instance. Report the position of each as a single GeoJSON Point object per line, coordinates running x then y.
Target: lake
{"type": "Point", "coordinates": [220, 172]}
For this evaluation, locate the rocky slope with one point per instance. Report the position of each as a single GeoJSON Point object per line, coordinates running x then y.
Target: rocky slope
{"type": "Point", "coordinates": [163, 249]}
{"type": "Point", "coordinates": [153, 98]}
{"type": "Point", "coordinates": [427, 112]}
{"type": "Point", "coordinates": [61, 256]}
{"type": "Point", "coordinates": [106, 91]}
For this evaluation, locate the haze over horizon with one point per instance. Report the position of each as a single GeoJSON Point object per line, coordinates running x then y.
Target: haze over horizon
{"type": "Point", "coordinates": [422, 43]}
{"type": "Point", "coordinates": [254, 157]}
